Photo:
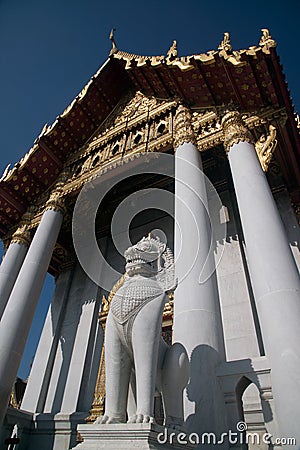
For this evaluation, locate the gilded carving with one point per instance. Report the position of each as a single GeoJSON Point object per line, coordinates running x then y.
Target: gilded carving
{"type": "Point", "coordinates": [225, 50]}
{"type": "Point", "coordinates": [138, 115]}
{"type": "Point", "coordinates": [266, 41]}
{"type": "Point", "coordinates": [265, 147]}
{"type": "Point", "coordinates": [188, 62]}
{"type": "Point", "coordinates": [183, 129]}
{"type": "Point", "coordinates": [225, 45]}
{"type": "Point", "coordinates": [136, 107]}
{"type": "Point", "coordinates": [21, 235]}
{"type": "Point", "coordinates": [172, 52]}
{"type": "Point", "coordinates": [97, 408]}
{"type": "Point", "coordinates": [56, 201]}
{"type": "Point", "coordinates": [114, 48]}
{"type": "Point", "coordinates": [234, 130]}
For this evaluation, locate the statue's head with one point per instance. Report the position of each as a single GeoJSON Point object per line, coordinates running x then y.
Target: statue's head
{"type": "Point", "coordinates": [144, 257]}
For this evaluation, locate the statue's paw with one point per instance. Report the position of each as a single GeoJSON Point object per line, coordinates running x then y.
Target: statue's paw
{"type": "Point", "coordinates": [132, 419]}
{"type": "Point", "coordinates": [100, 419]}
{"type": "Point", "coordinates": [144, 418]}
{"type": "Point", "coordinates": [109, 419]}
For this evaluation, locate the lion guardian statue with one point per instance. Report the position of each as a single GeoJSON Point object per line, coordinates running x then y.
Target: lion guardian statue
{"type": "Point", "coordinates": [137, 360]}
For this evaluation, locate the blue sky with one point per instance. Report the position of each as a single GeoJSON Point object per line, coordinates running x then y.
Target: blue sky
{"type": "Point", "coordinates": [49, 50]}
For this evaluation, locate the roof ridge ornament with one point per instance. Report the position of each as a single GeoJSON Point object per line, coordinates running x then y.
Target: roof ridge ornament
{"type": "Point", "coordinates": [266, 41]}
{"type": "Point", "coordinates": [225, 45]}
{"type": "Point", "coordinates": [114, 48]}
{"type": "Point", "coordinates": [172, 52]}
{"type": "Point", "coordinates": [226, 52]}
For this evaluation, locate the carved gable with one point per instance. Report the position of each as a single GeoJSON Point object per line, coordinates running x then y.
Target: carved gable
{"type": "Point", "coordinates": [137, 124]}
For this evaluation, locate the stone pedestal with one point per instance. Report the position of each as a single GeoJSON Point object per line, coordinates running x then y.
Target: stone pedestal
{"type": "Point", "coordinates": [129, 436]}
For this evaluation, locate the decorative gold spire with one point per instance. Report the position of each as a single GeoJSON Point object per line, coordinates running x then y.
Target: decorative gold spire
{"type": "Point", "coordinates": [114, 48]}
{"type": "Point", "coordinates": [266, 41]}
{"type": "Point", "coordinates": [183, 130]}
{"type": "Point", "coordinates": [234, 130]}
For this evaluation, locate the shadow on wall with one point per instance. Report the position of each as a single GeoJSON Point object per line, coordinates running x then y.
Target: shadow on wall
{"type": "Point", "coordinates": [205, 392]}
{"type": "Point", "coordinates": [218, 395]}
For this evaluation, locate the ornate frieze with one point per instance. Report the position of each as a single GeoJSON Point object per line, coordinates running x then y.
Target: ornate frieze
{"type": "Point", "coordinates": [183, 128]}
{"type": "Point", "coordinates": [138, 124]}
{"type": "Point", "coordinates": [186, 63]}
{"type": "Point", "coordinates": [141, 124]}
{"type": "Point", "coordinates": [234, 130]}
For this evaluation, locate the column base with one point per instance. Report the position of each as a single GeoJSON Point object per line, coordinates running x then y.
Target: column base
{"type": "Point", "coordinates": [129, 436]}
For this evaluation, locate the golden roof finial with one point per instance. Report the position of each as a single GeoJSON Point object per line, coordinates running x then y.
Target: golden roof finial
{"type": "Point", "coordinates": [225, 44]}
{"type": "Point", "coordinates": [266, 40]}
{"type": "Point", "coordinates": [172, 52]}
{"type": "Point", "coordinates": [114, 48]}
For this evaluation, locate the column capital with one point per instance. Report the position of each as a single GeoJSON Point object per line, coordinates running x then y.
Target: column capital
{"type": "Point", "coordinates": [21, 235]}
{"type": "Point", "coordinates": [56, 202]}
{"type": "Point", "coordinates": [234, 130]}
{"type": "Point", "coordinates": [183, 129]}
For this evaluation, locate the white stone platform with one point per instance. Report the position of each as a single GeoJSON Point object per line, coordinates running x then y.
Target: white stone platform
{"type": "Point", "coordinates": [129, 436]}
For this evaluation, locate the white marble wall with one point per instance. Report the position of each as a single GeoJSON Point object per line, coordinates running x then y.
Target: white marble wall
{"type": "Point", "coordinates": [290, 222]}
{"type": "Point", "coordinates": [240, 334]}
{"type": "Point", "coordinates": [76, 337]}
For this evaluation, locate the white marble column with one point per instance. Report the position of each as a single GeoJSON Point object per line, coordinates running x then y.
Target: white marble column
{"type": "Point", "coordinates": [11, 264]}
{"type": "Point", "coordinates": [20, 309]}
{"type": "Point", "coordinates": [40, 373]}
{"type": "Point", "coordinates": [85, 335]}
{"type": "Point", "coordinates": [197, 320]}
{"type": "Point", "coordinates": [273, 271]}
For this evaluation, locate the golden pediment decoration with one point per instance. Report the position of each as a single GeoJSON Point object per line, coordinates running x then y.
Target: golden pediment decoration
{"type": "Point", "coordinates": [140, 104]}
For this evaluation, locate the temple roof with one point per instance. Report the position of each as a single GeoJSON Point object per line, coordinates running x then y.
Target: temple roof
{"type": "Point", "coordinates": [249, 79]}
